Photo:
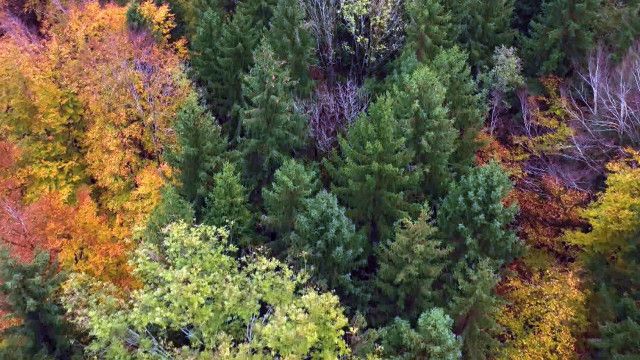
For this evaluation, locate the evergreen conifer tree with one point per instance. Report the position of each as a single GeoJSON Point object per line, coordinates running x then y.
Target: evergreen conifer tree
{"type": "Point", "coordinates": [620, 338]}
{"type": "Point", "coordinates": [172, 208]}
{"type": "Point", "coordinates": [465, 104]}
{"type": "Point", "coordinates": [372, 175]}
{"type": "Point", "coordinates": [227, 205]}
{"type": "Point", "coordinates": [28, 291]}
{"type": "Point", "coordinates": [222, 54]}
{"type": "Point", "coordinates": [431, 136]}
{"type": "Point", "coordinates": [481, 26]}
{"type": "Point", "coordinates": [562, 32]}
{"type": "Point", "coordinates": [273, 129]}
{"type": "Point", "coordinates": [293, 43]}
{"type": "Point", "coordinates": [429, 28]}
{"type": "Point", "coordinates": [292, 185]}
{"type": "Point", "coordinates": [433, 338]}
{"type": "Point", "coordinates": [474, 305]}
{"type": "Point", "coordinates": [473, 218]}
{"type": "Point", "coordinates": [200, 145]}
{"type": "Point", "coordinates": [409, 265]}
{"type": "Point", "coordinates": [326, 242]}
{"type": "Point", "coordinates": [260, 12]}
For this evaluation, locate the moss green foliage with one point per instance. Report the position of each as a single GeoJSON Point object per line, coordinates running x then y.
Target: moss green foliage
{"type": "Point", "coordinates": [293, 183]}
{"type": "Point", "coordinates": [198, 153]}
{"type": "Point", "coordinates": [228, 205]}
{"type": "Point", "coordinates": [433, 338]}
{"type": "Point", "coordinates": [293, 43]}
{"type": "Point", "coordinates": [474, 219]}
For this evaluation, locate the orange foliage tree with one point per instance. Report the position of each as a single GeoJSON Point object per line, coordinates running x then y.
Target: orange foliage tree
{"type": "Point", "coordinates": [131, 89]}
{"type": "Point", "coordinates": [85, 115]}
{"type": "Point", "coordinates": [545, 313]}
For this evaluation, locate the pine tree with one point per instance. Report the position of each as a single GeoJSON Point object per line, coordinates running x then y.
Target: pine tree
{"type": "Point", "coordinates": [293, 43]}
{"type": "Point", "coordinates": [429, 28]}
{"type": "Point", "coordinates": [172, 208]}
{"type": "Point", "coordinates": [28, 291]}
{"type": "Point", "coordinates": [465, 103]}
{"type": "Point", "coordinates": [409, 265]}
{"type": "Point", "coordinates": [482, 25]}
{"type": "Point", "coordinates": [432, 339]}
{"type": "Point", "coordinates": [292, 185]}
{"type": "Point", "coordinates": [431, 137]}
{"type": "Point", "coordinates": [473, 218]}
{"type": "Point", "coordinates": [222, 55]}
{"type": "Point", "coordinates": [228, 205]}
{"type": "Point", "coordinates": [200, 146]}
{"type": "Point", "coordinates": [326, 242]}
{"type": "Point", "coordinates": [260, 12]}
{"type": "Point", "coordinates": [620, 339]}
{"type": "Point", "coordinates": [372, 175]}
{"type": "Point", "coordinates": [474, 306]}
{"type": "Point", "coordinates": [561, 34]}
{"type": "Point", "coordinates": [273, 129]}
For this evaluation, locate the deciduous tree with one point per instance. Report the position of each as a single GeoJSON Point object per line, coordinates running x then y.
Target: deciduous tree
{"type": "Point", "coordinates": [247, 308]}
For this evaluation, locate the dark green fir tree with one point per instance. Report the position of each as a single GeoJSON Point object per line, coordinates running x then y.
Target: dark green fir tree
{"type": "Point", "coordinates": [28, 290]}
{"type": "Point", "coordinates": [481, 26]}
{"type": "Point", "coordinates": [227, 204]}
{"type": "Point", "coordinates": [431, 136]}
{"type": "Point", "coordinates": [433, 338]}
{"type": "Point", "coordinates": [474, 219]}
{"type": "Point", "coordinates": [409, 266]}
{"type": "Point", "coordinates": [172, 208]}
{"type": "Point", "coordinates": [293, 183]}
{"type": "Point", "coordinates": [372, 175]}
{"type": "Point", "coordinates": [562, 34]}
{"type": "Point", "coordinates": [325, 242]}
{"type": "Point", "coordinates": [222, 54]}
{"type": "Point", "coordinates": [198, 154]}
{"type": "Point", "coordinates": [465, 104]}
{"type": "Point", "coordinates": [293, 43]}
{"type": "Point", "coordinates": [273, 130]}
{"type": "Point", "coordinates": [428, 28]}
{"type": "Point", "coordinates": [474, 306]}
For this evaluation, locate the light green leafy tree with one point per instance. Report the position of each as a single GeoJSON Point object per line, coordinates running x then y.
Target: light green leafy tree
{"type": "Point", "coordinates": [198, 300]}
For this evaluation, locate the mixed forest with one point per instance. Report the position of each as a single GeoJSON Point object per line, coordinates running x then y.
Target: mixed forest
{"type": "Point", "coordinates": [320, 179]}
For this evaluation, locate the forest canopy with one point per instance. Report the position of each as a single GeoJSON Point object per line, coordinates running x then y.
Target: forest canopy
{"type": "Point", "coordinates": [319, 179]}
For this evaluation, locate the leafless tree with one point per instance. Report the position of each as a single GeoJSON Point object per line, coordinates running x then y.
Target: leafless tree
{"type": "Point", "coordinates": [323, 20]}
{"type": "Point", "coordinates": [377, 30]}
{"type": "Point", "coordinates": [331, 110]}
{"type": "Point", "coordinates": [604, 107]}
